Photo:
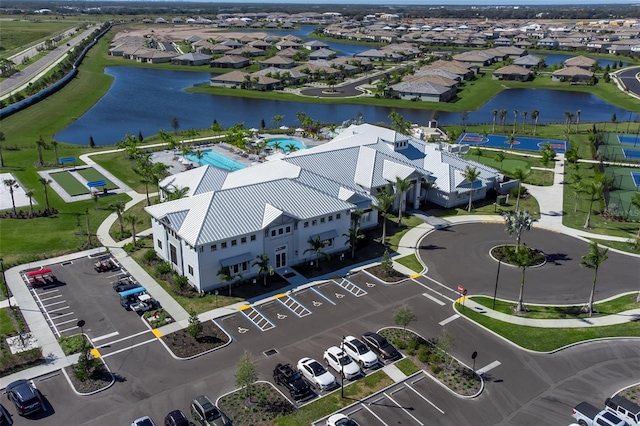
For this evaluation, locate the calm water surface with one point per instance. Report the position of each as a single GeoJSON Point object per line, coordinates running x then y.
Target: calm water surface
{"type": "Point", "coordinates": [146, 100]}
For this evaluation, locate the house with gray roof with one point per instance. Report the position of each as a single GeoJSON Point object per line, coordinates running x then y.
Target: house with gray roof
{"type": "Point", "coordinates": [191, 59]}
{"type": "Point", "coordinates": [423, 90]}
{"type": "Point", "coordinates": [228, 219]}
{"type": "Point", "coordinates": [513, 72]}
{"type": "Point", "coordinates": [229, 61]}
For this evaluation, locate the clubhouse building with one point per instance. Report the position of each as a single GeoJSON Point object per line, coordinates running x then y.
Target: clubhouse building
{"type": "Point", "coordinates": [228, 219]}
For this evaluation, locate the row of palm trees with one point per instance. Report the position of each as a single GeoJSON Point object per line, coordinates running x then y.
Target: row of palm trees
{"type": "Point", "coordinates": [12, 185]}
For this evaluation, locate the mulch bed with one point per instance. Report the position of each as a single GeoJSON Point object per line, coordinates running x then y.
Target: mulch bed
{"type": "Point", "coordinates": [184, 346]}
{"type": "Point", "coordinates": [100, 379]}
{"type": "Point", "coordinates": [393, 277]}
{"type": "Point", "coordinates": [265, 406]}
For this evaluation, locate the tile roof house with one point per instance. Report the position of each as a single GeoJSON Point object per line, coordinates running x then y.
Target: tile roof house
{"type": "Point", "coordinates": [572, 74]}
{"type": "Point", "coordinates": [528, 61]}
{"type": "Point", "coordinates": [230, 62]}
{"type": "Point", "coordinates": [191, 59]}
{"type": "Point", "coordinates": [580, 62]}
{"type": "Point", "coordinates": [513, 72]}
{"type": "Point", "coordinates": [228, 219]}
{"type": "Point", "coordinates": [278, 62]}
{"type": "Point", "coordinates": [423, 90]}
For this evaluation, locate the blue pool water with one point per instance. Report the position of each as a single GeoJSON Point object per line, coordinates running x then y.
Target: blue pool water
{"type": "Point", "coordinates": [212, 158]}
{"type": "Point", "coordinates": [287, 141]}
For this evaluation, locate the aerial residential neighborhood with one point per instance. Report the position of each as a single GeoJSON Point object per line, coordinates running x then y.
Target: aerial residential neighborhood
{"type": "Point", "coordinates": [336, 215]}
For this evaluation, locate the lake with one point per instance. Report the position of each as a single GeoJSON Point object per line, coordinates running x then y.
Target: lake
{"type": "Point", "coordinates": [145, 100]}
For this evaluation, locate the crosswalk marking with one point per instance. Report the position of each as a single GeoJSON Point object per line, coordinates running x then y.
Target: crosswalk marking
{"type": "Point", "coordinates": [448, 320]}
{"type": "Point", "coordinates": [488, 367]}
{"type": "Point", "coordinates": [257, 318]}
{"type": "Point", "coordinates": [430, 297]}
{"type": "Point", "coordinates": [293, 305]}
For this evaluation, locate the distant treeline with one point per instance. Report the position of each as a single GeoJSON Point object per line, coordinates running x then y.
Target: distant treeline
{"type": "Point", "coordinates": [566, 12]}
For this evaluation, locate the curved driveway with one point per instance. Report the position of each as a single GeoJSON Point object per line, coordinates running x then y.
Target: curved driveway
{"type": "Point", "coordinates": [630, 79]}
{"type": "Point", "coordinates": [460, 255]}
{"type": "Point", "coordinates": [344, 90]}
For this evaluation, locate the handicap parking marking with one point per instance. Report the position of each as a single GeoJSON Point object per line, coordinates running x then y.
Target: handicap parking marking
{"type": "Point", "coordinates": [257, 318]}
{"type": "Point", "coordinates": [350, 287]}
{"type": "Point", "coordinates": [236, 325]}
{"type": "Point", "coordinates": [314, 300]}
{"type": "Point", "coordinates": [294, 306]}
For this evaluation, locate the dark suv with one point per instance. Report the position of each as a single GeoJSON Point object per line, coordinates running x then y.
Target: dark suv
{"type": "Point", "coordinates": [207, 414]}
{"type": "Point", "coordinates": [380, 346]}
{"type": "Point", "coordinates": [25, 397]}
{"type": "Point", "coordinates": [285, 375]}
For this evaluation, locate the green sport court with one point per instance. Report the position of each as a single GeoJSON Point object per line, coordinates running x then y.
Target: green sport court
{"type": "Point", "coordinates": [73, 186]}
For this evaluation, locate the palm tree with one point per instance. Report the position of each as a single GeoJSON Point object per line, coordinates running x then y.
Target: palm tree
{"type": "Point", "coordinates": [470, 174]}
{"type": "Point", "coordinates": [118, 208]}
{"type": "Point", "coordinates": [515, 120]}
{"type": "Point", "coordinates": [567, 120]}
{"type": "Point", "coordinates": [353, 237]}
{"type": "Point", "coordinates": [535, 114]}
{"type": "Point", "coordinates": [199, 156]}
{"type": "Point", "coordinates": [291, 147]}
{"type": "Point", "coordinates": [520, 175]}
{"type": "Point", "coordinates": [503, 117]}
{"type": "Point", "coordinates": [277, 146]}
{"type": "Point", "coordinates": [54, 144]}
{"type": "Point", "coordinates": [11, 184]}
{"type": "Point", "coordinates": [186, 150]}
{"type": "Point", "coordinates": [402, 187]}
{"type": "Point", "coordinates": [384, 201]}
{"type": "Point", "coordinates": [399, 124]}
{"type": "Point", "coordinates": [592, 260]}
{"type": "Point", "coordinates": [133, 220]}
{"type": "Point", "coordinates": [464, 115]}
{"type": "Point", "coordinates": [264, 269]}
{"type": "Point", "coordinates": [614, 120]}
{"type": "Point", "coordinates": [356, 216]}
{"type": "Point", "coordinates": [524, 119]}
{"type": "Point", "coordinates": [548, 156]}
{"type": "Point", "coordinates": [516, 222]}
{"type": "Point", "coordinates": [578, 188]}
{"type": "Point", "coordinates": [29, 193]}
{"type": "Point", "coordinates": [500, 157]}
{"type": "Point", "coordinates": [317, 244]}
{"type": "Point", "coordinates": [523, 259]}
{"type": "Point", "coordinates": [40, 144]}
{"type": "Point", "coordinates": [578, 112]}
{"type": "Point", "coordinates": [593, 190]}
{"type": "Point", "coordinates": [45, 183]}
{"type": "Point", "coordinates": [277, 119]}
{"type": "Point", "coordinates": [177, 193]}
{"type": "Point", "coordinates": [494, 113]}
{"type": "Point", "coordinates": [635, 202]}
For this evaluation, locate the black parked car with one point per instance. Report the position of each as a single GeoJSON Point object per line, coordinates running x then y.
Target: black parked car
{"type": "Point", "coordinates": [285, 375]}
{"type": "Point", "coordinates": [380, 346]}
{"type": "Point", "coordinates": [176, 418]}
{"type": "Point", "coordinates": [25, 397]}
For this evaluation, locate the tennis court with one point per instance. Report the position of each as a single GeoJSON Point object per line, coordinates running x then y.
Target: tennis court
{"type": "Point", "coordinates": [636, 178]}
{"type": "Point", "coordinates": [631, 154]}
{"type": "Point", "coordinates": [520, 143]}
{"type": "Point", "coordinates": [628, 139]}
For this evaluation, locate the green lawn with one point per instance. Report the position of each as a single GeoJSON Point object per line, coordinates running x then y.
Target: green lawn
{"type": "Point", "coordinates": [6, 325]}
{"type": "Point", "coordinates": [93, 175]}
{"type": "Point", "coordinates": [411, 262]}
{"type": "Point", "coordinates": [407, 366]}
{"type": "Point", "coordinates": [69, 183]}
{"type": "Point", "coordinates": [16, 34]}
{"type": "Point", "coordinates": [620, 304]}
{"type": "Point", "coordinates": [548, 339]}
{"type": "Point", "coordinates": [137, 210]}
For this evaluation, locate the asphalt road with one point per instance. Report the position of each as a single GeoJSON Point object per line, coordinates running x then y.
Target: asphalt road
{"type": "Point", "coordinates": [522, 388]}
{"type": "Point", "coordinates": [631, 80]}
{"type": "Point", "coordinates": [343, 91]}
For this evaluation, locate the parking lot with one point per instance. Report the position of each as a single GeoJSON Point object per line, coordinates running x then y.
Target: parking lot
{"type": "Point", "coordinates": [82, 293]}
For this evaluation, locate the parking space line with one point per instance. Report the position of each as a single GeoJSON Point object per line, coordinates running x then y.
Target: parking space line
{"type": "Point", "coordinates": [293, 305]}
{"type": "Point", "coordinates": [488, 367]}
{"type": "Point", "coordinates": [350, 287]}
{"type": "Point", "coordinates": [430, 297]}
{"type": "Point", "coordinates": [323, 296]}
{"type": "Point", "coordinates": [404, 409]}
{"type": "Point", "coordinates": [66, 322]}
{"type": "Point", "coordinates": [52, 297]}
{"type": "Point", "coordinates": [66, 329]}
{"type": "Point", "coordinates": [124, 338]}
{"type": "Point", "coordinates": [46, 313]}
{"type": "Point", "coordinates": [54, 303]}
{"type": "Point", "coordinates": [62, 315]}
{"type": "Point", "coordinates": [257, 318]}
{"type": "Point", "coordinates": [374, 414]}
{"type": "Point", "coordinates": [58, 309]}
{"type": "Point", "coordinates": [424, 397]}
{"type": "Point", "coordinates": [439, 283]}
{"type": "Point", "coordinates": [434, 291]}
{"type": "Point", "coordinates": [105, 336]}
{"type": "Point", "coordinates": [42, 293]}
{"type": "Point", "coordinates": [448, 320]}
{"type": "Point", "coordinates": [130, 347]}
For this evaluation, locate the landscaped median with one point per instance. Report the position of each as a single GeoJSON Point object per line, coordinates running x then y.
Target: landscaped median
{"type": "Point", "coordinates": [551, 339]}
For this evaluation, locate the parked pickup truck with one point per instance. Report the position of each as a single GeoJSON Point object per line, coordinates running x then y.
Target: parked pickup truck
{"type": "Point", "coordinates": [144, 303]}
{"type": "Point", "coordinates": [588, 415]}
{"type": "Point", "coordinates": [623, 408]}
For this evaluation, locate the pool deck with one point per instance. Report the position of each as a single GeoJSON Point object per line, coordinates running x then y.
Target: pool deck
{"type": "Point", "coordinates": [177, 164]}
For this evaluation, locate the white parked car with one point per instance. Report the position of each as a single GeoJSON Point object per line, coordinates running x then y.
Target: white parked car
{"type": "Point", "coordinates": [359, 352]}
{"type": "Point", "coordinates": [342, 363]}
{"type": "Point", "coordinates": [315, 373]}
{"type": "Point", "coordinates": [340, 420]}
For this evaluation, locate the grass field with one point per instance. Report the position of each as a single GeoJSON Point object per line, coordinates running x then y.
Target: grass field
{"type": "Point", "coordinates": [69, 183]}
{"type": "Point", "coordinates": [17, 34]}
{"type": "Point", "coordinates": [92, 175]}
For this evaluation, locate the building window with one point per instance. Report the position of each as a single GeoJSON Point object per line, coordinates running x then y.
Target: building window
{"type": "Point", "coordinates": [314, 222]}
{"type": "Point", "coordinates": [253, 237]}
{"type": "Point", "coordinates": [245, 266]}
{"type": "Point", "coordinates": [159, 244]}
{"type": "Point", "coordinates": [235, 268]}
{"type": "Point", "coordinates": [322, 220]}
{"type": "Point", "coordinates": [214, 247]}
{"type": "Point", "coordinates": [330, 218]}
{"type": "Point", "coordinates": [273, 232]}
{"type": "Point", "coordinates": [280, 231]}
{"type": "Point", "coordinates": [173, 254]}
{"type": "Point", "coordinates": [306, 224]}
{"type": "Point", "coordinates": [288, 229]}
{"type": "Point", "coordinates": [223, 245]}
{"type": "Point", "coordinates": [190, 268]}
{"type": "Point", "coordinates": [243, 240]}
{"type": "Point", "coordinates": [338, 216]}
{"type": "Point", "coordinates": [234, 242]}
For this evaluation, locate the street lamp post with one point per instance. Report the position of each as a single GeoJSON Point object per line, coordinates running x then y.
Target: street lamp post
{"type": "Point", "coordinates": [81, 324]}
{"type": "Point", "coordinates": [495, 291]}
{"type": "Point", "coordinates": [342, 370]}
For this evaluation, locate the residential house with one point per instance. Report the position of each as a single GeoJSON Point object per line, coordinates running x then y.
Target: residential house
{"type": "Point", "coordinates": [424, 90]}
{"type": "Point", "coordinates": [528, 61]}
{"type": "Point", "coordinates": [230, 62]}
{"type": "Point", "coordinates": [580, 62]}
{"type": "Point", "coordinates": [321, 54]}
{"type": "Point", "coordinates": [572, 74]}
{"type": "Point", "coordinates": [513, 72]}
{"type": "Point", "coordinates": [191, 59]}
{"type": "Point", "coordinates": [547, 43]}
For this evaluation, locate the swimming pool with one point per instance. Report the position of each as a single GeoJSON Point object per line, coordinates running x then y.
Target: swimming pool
{"type": "Point", "coordinates": [212, 158]}
{"type": "Point", "coordinates": [285, 144]}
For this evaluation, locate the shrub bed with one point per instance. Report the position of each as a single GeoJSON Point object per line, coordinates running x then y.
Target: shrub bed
{"type": "Point", "coordinates": [183, 345]}
{"type": "Point", "coordinates": [265, 405]}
